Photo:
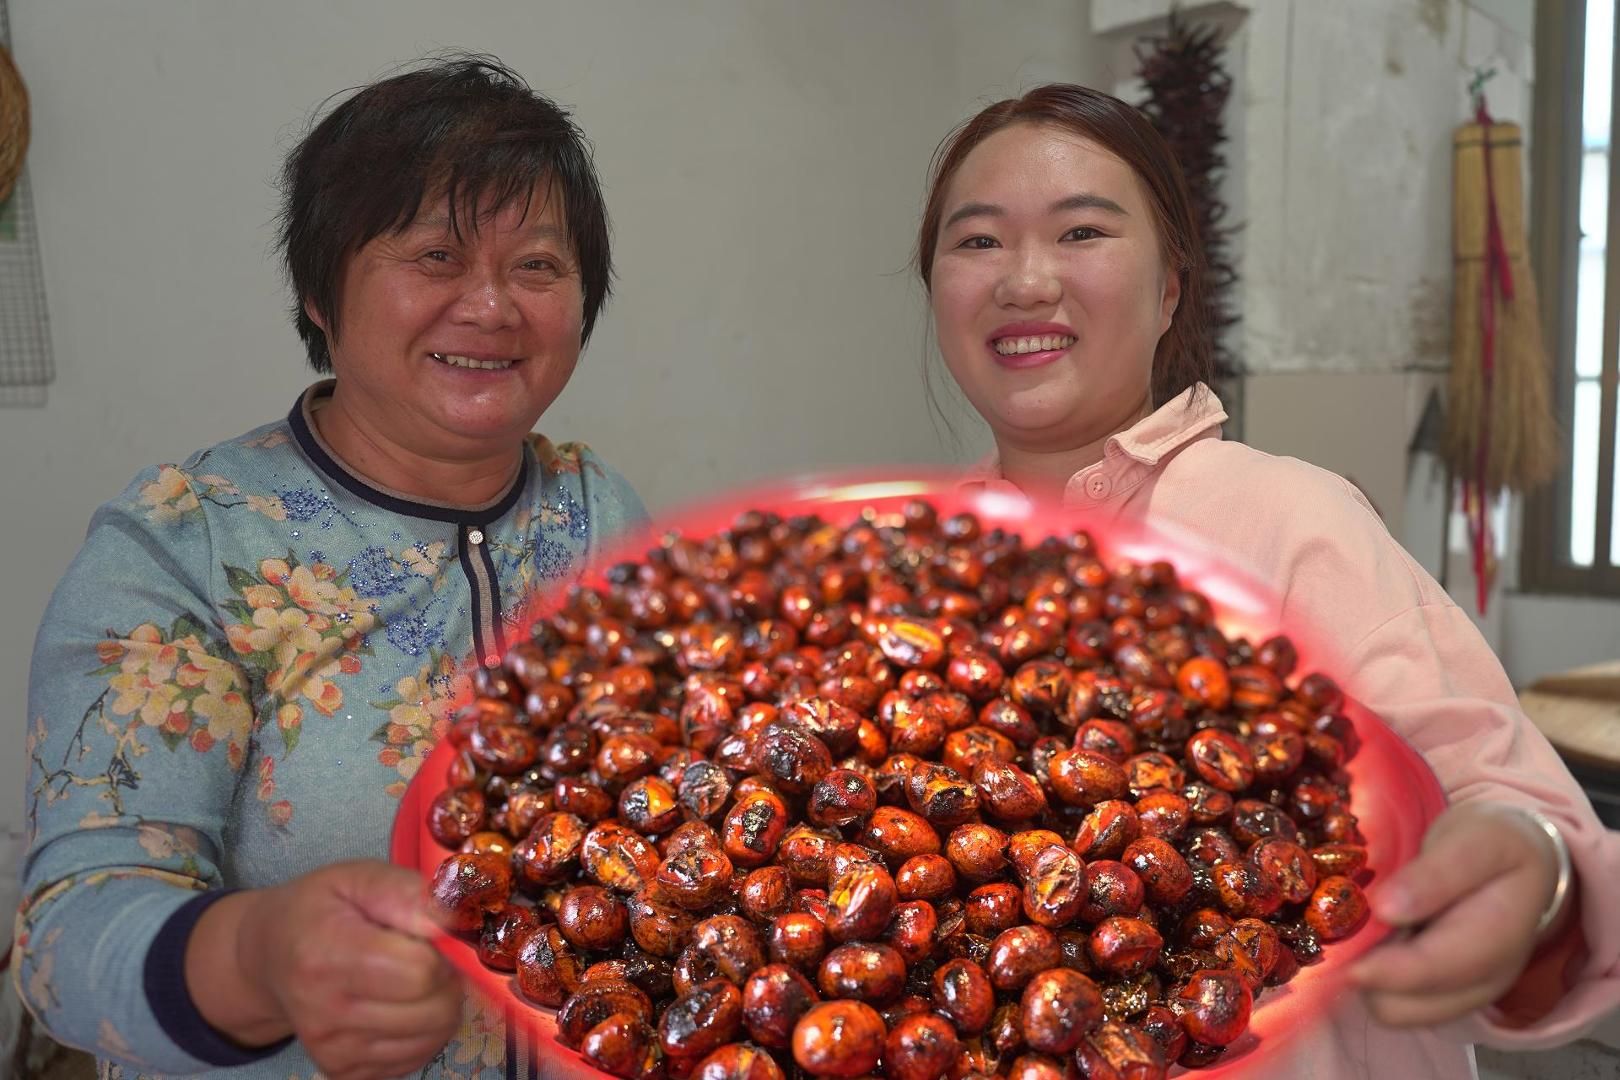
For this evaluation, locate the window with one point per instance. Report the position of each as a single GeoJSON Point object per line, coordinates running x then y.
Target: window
{"type": "Point", "coordinates": [1571, 543]}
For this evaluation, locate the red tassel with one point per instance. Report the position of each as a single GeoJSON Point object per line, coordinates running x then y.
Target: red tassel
{"type": "Point", "coordinates": [1498, 281]}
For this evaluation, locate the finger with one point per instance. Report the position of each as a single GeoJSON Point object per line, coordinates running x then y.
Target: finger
{"type": "Point", "coordinates": [1427, 1010]}
{"type": "Point", "coordinates": [1480, 937]}
{"type": "Point", "coordinates": [361, 1054]}
{"type": "Point", "coordinates": [404, 1057]}
{"type": "Point", "coordinates": [391, 967]}
{"type": "Point", "coordinates": [1457, 863]}
{"type": "Point", "coordinates": [389, 896]}
{"type": "Point", "coordinates": [435, 1017]}
{"type": "Point", "coordinates": [381, 1060]}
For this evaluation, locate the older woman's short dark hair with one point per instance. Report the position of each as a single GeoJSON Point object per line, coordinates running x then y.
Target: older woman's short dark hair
{"type": "Point", "coordinates": [467, 129]}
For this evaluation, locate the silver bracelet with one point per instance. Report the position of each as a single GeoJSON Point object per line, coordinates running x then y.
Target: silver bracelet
{"type": "Point", "coordinates": [1566, 868]}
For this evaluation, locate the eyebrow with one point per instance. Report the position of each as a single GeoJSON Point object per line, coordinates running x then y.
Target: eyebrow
{"type": "Point", "coordinates": [441, 223]}
{"type": "Point", "coordinates": [1085, 200]}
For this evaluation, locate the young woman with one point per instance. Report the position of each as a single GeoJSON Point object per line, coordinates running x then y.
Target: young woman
{"type": "Point", "coordinates": [1062, 265]}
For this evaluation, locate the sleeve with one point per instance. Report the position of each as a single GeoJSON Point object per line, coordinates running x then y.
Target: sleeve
{"type": "Point", "coordinates": [1431, 676]}
{"type": "Point", "coordinates": [138, 726]}
{"type": "Point", "coordinates": [1419, 662]}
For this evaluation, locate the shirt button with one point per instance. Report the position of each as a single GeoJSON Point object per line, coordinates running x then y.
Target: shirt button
{"type": "Point", "coordinates": [1097, 487]}
{"type": "Point", "coordinates": [476, 536]}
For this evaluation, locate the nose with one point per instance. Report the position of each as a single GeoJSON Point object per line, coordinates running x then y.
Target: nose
{"type": "Point", "coordinates": [1030, 282]}
{"type": "Point", "coordinates": [486, 303]}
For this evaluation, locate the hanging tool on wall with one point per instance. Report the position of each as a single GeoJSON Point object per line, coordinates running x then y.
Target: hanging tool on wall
{"type": "Point", "coordinates": [1500, 432]}
{"type": "Point", "coordinates": [13, 124]}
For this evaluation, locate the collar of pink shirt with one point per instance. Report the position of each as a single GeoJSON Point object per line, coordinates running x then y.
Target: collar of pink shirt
{"type": "Point", "coordinates": [1130, 456]}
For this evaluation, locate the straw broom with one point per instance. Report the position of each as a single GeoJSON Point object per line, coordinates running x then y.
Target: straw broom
{"type": "Point", "coordinates": [1501, 430]}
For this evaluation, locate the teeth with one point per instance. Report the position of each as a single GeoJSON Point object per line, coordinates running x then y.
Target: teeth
{"type": "Point", "coordinates": [468, 362]}
{"type": "Point", "coordinates": [1015, 346]}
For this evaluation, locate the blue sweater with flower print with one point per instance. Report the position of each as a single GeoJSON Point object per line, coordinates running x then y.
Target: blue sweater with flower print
{"type": "Point", "coordinates": [233, 684]}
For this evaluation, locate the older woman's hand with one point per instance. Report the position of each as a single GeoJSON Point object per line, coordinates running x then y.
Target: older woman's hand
{"type": "Point", "coordinates": [342, 958]}
{"type": "Point", "coordinates": [1474, 896]}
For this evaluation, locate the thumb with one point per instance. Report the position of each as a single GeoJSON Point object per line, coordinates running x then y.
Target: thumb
{"type": "Point", "coordinates": [390, 896]}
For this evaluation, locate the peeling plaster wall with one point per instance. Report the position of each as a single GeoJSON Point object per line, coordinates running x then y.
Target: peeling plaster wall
{"type": "Point", "coordinates": [1352, 269]}
{"type": "Point", "coordinates": [1341, 164]}
{"type": "Point", "coordinates": [1340, 176]}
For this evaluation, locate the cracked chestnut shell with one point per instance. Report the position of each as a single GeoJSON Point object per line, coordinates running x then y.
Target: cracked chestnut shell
{"type": "Point", "coordinates": [1060, 1007]}
{"type": "Point", "coordinates": [773, 1000]}
{"type": "Point", "coordinates": [1215, 1007]}
{"type": "Point", "coordinates": [467, 886]}
{"type": "Point", "coordinates": [922, 1046]}
{"type": "Point", "coordinates": [839, 1038]}
{"type": "Point", "coordinates": [701, 1020]}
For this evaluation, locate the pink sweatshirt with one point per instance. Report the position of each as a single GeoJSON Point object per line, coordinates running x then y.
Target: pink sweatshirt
{"type": "Point", "coordinates": [1406, 652]}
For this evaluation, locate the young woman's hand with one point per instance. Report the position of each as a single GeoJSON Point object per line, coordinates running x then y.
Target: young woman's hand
{"type": "Point", "coordinates": [1473, 898]}
{"type": "Point", "coordinates": [342, 958]}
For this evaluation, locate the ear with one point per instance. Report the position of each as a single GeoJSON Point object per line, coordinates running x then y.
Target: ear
{"type": "Point", "coordinates": [1169, 300]}
{"type": "Point", "coordinates": [315, 317]}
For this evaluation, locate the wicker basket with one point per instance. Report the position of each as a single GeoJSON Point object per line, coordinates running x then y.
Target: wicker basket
{"type": "Point", "coordinates": [13, 124]}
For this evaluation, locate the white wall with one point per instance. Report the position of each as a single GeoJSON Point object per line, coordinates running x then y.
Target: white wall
{"type": "Point", "coordinates": [1340, 168]}
{"type": "Point", "coordinates": [764, 162]}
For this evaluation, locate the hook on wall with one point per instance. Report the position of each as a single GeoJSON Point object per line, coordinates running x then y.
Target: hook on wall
{"type": "Point", "coordinates": [1480, 75]}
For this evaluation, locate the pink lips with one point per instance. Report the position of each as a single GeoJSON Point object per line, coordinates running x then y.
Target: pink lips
{"type": "Point", "coordinates": [1023, 361]}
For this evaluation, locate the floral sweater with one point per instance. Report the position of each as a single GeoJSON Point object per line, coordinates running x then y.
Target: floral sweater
{"type": "Point", "coordinates": [233, 685]}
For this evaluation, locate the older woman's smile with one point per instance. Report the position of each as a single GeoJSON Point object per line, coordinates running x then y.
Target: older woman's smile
{"type": "Point", "coordinates": [476, 363]}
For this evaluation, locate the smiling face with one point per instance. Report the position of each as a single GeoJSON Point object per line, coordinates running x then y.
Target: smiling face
{"type": "Point", "coordinates": [1049, 289]}
{"type": "Point", "coordinates": [449, 349]}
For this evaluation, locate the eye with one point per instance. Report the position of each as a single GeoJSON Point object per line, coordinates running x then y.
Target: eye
{"type": "Point", "coordinates": [540, 266]}
{"type": "Point", "coordinates": [438, 255]}
{"type": "Point", "coordinates": [1082, 232]}
{"type": "Point", "coordinates": [978, 243]}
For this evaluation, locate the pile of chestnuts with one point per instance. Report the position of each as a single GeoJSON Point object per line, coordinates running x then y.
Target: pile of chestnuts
{"type": "Point", "coordinates": [905, 797]}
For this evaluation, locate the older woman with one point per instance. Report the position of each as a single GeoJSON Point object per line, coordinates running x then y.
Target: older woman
{"type": "Point", "coordinates": [255, 648]}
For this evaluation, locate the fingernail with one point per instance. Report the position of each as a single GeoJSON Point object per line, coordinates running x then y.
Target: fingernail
{"type": "Point", "coordinates": [1390, 903]}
